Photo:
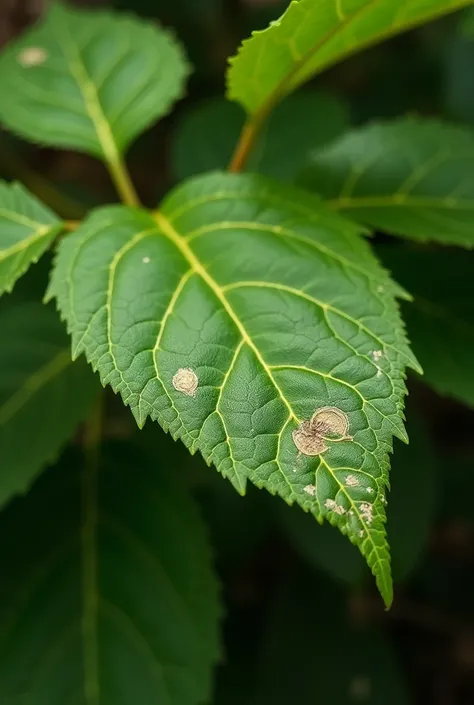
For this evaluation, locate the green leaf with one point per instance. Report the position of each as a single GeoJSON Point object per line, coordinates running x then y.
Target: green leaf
{"type": "Point", "coordinates": [27, 228]}
{"type": "Point", "coordinates": [440, 319]}
{"type": "Point", "coordinates": [332, 657]}
{"type": "Point", "coordinates": [112, 598]}
{"type": "Point", "coordinates": [206, 136]}
{"type": "Point", "coordinates": [313, 35]}
{"type": "Point", "coordinates": [232, 317]}
{"type": "Point", "coordinates": [410, 178]}
{"type": "Point", "coordinates": [90, 81]}
{"type": "Point", "coordinates": [43, 396]}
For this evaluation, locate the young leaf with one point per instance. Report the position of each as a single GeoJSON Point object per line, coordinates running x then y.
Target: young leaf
{"type": "Point", "coordinates": [112, 598]}
{"type": "Point", "coordinates": [43, 396]}
{"type": "Point", "coordinates": [205, 138]}
{"type": "Point", "coordinates": [233, 317]}
{"type": "Point", "coordinates": [410, 178]}
{"type": "Point", "coordinates": [91, 81]}
{"type": "Point", "coordinates": [314, 34]}
{"type": "Point", "coordinates": [27, 228]}
{"type": "Point", "coordinates": [440, 319]}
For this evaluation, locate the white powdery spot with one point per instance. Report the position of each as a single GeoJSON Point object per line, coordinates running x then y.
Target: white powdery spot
{"type": "Point", "coordinates": [334, 506]}
{"type": "Point", "coordinates": [361, 533]}
{"type": "Point", "coordinates": [367, 512]}
{"type": "Point", "coordinates": [370, 490]}
{"type": "Point", "coordinates": [379, 372]}
{"type": "Point", "coordinates": [352, 481]}
{"type": "Point", "coordinates": [310, 489]}
{"type": "Point", "coordinates": [32, 56]}
{"type": "Point", "coordinates": [186, 381]}
{"type": "Point", "coordinates": [377, 354]}
{"type": "Point", "coordinates": [146, 260]}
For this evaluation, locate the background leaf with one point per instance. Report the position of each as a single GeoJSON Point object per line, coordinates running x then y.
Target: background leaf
{"type": "Point", "coordinates": [440, 318]}
{"type": "Point", "coordinates": [151, 597]}
{"type": "Point", "coordinates": [206, 136]}
{"type": "Point", "coordinates": [331, 658]}
{"type": "Point", "coordinates": [27, 228]}
{"type": "Point", "coordinates": [91, 81]}
{"type": "Point", "coordinates": [268, 308]}
{"type": "Point", "coordinates": [411, 178]}
{"type": "Point", "coordinates": [43, 395]}
{"type": "Point", "coordinates": [314, 34]}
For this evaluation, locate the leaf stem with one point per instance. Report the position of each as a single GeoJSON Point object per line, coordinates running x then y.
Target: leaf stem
{"type": "Point", "coordinates": [122, 181]}
{"type": "Point", "coordinates": [92, 439]}
{"type": "Point", "coordinates": [247, 140]}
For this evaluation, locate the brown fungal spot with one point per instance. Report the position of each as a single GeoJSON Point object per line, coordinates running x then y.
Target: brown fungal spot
{"type": "Point", "coordinates": [32, 56]}
{"type": "Point", "coordinates": [307, 440]}
{"type": "Point", "coordinates": [330, 421]}
{"type": "Point", "coordinates": [326, 422]}
{"type": "Point", "coordinates": [186, 381]}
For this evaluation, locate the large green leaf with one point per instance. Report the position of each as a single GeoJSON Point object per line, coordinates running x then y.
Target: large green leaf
{"type": "Point", "coordinates": [410, 178]}
{"type": "Point", "coordinates": [43, 395]}
{"type": "Point", "coordinates": [314, 34]}
{"type": "Point", "coordinates": [26, 229]}
{"type": "Point", "coordinates": [91, 81]}
{"type": "Point", "coordinates": [441, 318]}
{"type": "Point", "coordinates": [232, 317]}
{"type": "Point", "coordinates": [206, 136]}
{"type": "Point", "coordinates": [111, 598]}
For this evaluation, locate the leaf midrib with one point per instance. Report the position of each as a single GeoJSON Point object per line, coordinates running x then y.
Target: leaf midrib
{"type": "Point", "coordinates": [24, 244]}
{"type": "Point", "coordinates": [89, 94]}
{"type": "Point", "coordinates": [167, 229]}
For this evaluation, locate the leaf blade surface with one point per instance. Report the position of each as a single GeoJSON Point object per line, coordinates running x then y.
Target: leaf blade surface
{"type": "Point", "coordinates": [268, 310]}
{"type": "Point", "coordinates": [410, 178]}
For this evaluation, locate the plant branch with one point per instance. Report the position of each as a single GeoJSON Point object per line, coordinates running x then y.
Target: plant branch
{"type": "Point", "coordinates": [92, 439]}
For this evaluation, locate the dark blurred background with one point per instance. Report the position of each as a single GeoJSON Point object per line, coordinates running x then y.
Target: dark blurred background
{"type": "Point", "coordinates": [303, 621]}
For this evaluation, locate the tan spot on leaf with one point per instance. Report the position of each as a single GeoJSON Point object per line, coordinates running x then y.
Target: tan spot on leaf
{"type": "Point", "coordinates": [186, 381]}
{"type": "Point", "coordinates": [32, 56]}
{"type": "Point", "coordinates": [330, 421]}
{"type": "Point", "coordinates": [307, 440]}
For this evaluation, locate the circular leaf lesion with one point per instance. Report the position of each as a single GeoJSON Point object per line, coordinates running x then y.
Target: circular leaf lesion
{"type": "Point", "coordinates": [327, 423]}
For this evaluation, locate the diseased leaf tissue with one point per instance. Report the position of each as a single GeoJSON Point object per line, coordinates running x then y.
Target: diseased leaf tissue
{"type": "Point", "coordinates": [250, 318]}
